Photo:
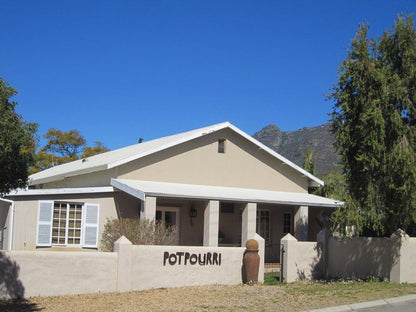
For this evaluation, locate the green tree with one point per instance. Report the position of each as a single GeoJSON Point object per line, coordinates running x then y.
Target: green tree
{"type": "Point", "coordinates": [373, 119]}
{"type": "Point", "coordinates": [334, 187]}
{"type": "Point", "coordinates": [98, 148]}
{"type": "Point", "coordinates": [66, 144]}
{"type": "Point", "coordinates": [63, 147]}
{"type": "Point", "coordinates": [17, 142]}
{"type": "Point", "coordinates": [308, 163]}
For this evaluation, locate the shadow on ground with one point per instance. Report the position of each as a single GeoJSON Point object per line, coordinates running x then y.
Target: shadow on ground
{"type": "Point", "coordinates": [18, 305]}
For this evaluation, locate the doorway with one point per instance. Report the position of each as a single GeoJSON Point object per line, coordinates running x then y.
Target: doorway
{"type": "Point", "coordinates": [170, 216]}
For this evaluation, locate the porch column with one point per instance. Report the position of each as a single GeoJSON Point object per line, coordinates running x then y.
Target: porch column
{"type": "Point", "coordinates": [301, 223]}
{"type": "Point", "coordinates": [211, 223]}
{"type": "Point", "coordinates": [149, 209]}
{"type": "Point", "coordinates": [248, 223]}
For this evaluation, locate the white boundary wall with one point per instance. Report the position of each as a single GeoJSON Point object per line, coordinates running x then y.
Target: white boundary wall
{"type": "Point", "coordinates": [174, 266]}
{"type": "Point", "coordinates": [391, 258]}
{"type": "Point", "coordinates": [50, 273]}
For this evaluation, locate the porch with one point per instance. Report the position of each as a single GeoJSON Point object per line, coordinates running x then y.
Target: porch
{"type": "Point", "coordinates": [225, 216]}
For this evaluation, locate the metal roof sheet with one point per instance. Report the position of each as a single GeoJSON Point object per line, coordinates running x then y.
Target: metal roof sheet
{"type": "Point", "coordinates": [140, 189]}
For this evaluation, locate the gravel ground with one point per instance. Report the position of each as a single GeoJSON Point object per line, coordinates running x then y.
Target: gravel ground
{"type": "Point", "coordinates": [292, 297]}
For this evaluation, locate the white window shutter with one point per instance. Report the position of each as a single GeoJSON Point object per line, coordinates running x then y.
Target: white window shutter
{"type": "Point", "coordinates": [90, 225]}
{"type": "Point", "coordinates": [44, 229]}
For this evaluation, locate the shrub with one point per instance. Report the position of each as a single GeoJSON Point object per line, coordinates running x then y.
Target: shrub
{"type": "Point", "coordinates": [139, 232]}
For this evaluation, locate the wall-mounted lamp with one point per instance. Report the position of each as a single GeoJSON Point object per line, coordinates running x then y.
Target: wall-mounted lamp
{"type": "Point", "coordinates": [193, 212]}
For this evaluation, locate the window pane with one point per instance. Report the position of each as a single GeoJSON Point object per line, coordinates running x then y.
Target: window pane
{"type": "Point", "coordinates": [65, 218]}
{"type": "Point", "coordinates": [170, 218]}
{"type": "Point", "coordinates": [158, 215]}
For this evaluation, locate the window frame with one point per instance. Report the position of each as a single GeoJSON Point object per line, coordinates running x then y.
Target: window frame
{"type": "Point", "coordinates": [67, 220]}
{"type": "Point", "coordinates": [290, 223]}
{"type": "Point", "coordinates": [267, 240]}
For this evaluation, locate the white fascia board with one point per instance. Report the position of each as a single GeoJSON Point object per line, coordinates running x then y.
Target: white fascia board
{"type": "Point", "coordinates": [170, 144]}
{"type": "Point", "coordinates": [254, 200]}
{"type": "Point", "coordinates": [128, 189]}
{"type": "Point", "coordinates": [75, 190]}
{"type": "Point", "coordinates": [6, 200]}
{"type": "Point", "coordinates": [277, 155]}
{"type": "Point", "coordinates": [62, 176]}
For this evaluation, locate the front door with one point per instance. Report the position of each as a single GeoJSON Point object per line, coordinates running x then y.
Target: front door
{"type": "Point", "coordinates": [169, 215]}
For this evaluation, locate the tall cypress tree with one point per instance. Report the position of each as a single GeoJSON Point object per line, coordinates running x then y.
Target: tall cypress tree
{"type": "Point", "coordinates": [374, 123]}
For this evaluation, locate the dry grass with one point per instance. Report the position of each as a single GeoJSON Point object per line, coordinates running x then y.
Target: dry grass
{"type": "Point", "coordinates": [290, 297]}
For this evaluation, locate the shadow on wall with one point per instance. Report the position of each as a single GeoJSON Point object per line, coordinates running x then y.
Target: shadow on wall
{"type": "Point", "coordinates": [315, 268]}
{"type": "Point", "coordinates": [10, 285]}
{"type": "Point", "coordinates": [352, 258]}
{"type": "Point", "coordinates": [363, 257]}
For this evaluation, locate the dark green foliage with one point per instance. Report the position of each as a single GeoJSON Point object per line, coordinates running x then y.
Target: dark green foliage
{"type": "Point", "coordinates": [308, 163]}
{"type": "Point", "coordinates": [374, 123]}
{"type": "Point", "coordinates": [17, 142]}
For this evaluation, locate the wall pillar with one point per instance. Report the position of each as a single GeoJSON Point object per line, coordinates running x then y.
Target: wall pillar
{"type": "Point", "coordinates": [211, 223]}
{"type": "Point", "coordinates": [301, 223]}
{"type": "Point", "coordinates": [124, 249]}
{"type": "Point", "coordinates": [289, 254]}
{"type": "Point", "coordinates": [149, 209]}
{"type": "Point", "coordinates": [248, 224]}
{"type": "Point", "coordinates": [261, 242]}
{"type": "Point", "coordinates": [403, 263]}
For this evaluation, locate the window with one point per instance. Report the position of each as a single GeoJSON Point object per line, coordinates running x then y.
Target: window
{"type": "Point", "coordinates": [227, 207]}
{"type": "Point", "coordinates": [287, 223]}
{"type": "Point", "coordinates": [221, 146]}
{"type": "Point", "coordinates": [67, 224]}
{"type": "Point", "coordinates": [263, 225]}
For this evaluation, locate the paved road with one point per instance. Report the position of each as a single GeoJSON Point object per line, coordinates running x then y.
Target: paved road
{"type": "Point", "coordinates": [408, 306]}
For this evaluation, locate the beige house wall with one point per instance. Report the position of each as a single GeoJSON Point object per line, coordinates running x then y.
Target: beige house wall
{"type": "Point", "coordinates": [99, 178]}
{"type": "Point", "coordinates": [198, 162]}
{"type": "Point", "coordinates": [26, 216]}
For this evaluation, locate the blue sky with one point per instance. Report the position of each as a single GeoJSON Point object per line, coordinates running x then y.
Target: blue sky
{"type": "Point", "coordinates": [120, 70]}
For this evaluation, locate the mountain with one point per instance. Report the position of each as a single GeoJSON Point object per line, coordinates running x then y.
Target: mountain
{"type": "Point", "coordinates": [294, 144]}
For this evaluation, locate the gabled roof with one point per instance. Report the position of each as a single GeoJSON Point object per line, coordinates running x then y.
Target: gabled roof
{"type": "Point", "coordinates": [127, 154]}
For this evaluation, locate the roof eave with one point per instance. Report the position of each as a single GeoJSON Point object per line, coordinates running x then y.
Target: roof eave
{"type": "Point", "coordinates": [60, 177]}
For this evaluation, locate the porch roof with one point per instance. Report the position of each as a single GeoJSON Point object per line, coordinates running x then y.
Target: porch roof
{"type": "Point", "coordinates": [141, 189]}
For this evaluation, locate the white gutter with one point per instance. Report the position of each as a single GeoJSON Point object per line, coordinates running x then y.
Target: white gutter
{"type": "Point", "coordinates": [128, 189]}
{"type": "Point", "coordinates": [74, 190]}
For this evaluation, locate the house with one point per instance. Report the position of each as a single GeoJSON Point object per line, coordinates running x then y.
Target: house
{"type": "Point", "coordinates": [217, 185]}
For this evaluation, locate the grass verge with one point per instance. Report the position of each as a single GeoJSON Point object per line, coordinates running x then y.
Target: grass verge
{"type": "Point", "coordinates": [298, 296]}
